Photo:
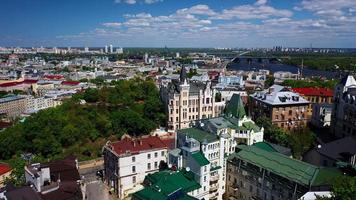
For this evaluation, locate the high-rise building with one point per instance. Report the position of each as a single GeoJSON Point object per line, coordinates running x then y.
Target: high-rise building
{"type": "Point", "coordinates": [86, 49]}
{"type": "Point", "coordinates": [177, 55]}
{"type": "Point", "coordinates": [106, 49]}
{"type": "Point", "coordinates": [146, 58]}
{"type": "Point", "coordinates": [111, 48]}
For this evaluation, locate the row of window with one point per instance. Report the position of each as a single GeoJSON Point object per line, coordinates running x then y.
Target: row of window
{"type": "Point", "coordinates": [133, 158]}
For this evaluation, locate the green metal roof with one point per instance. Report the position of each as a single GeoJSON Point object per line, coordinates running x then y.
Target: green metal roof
{"type": "Point", "coordinates": [265, 146]}
{"type": "Point", "coordinates": [164, 183]}
{"type": "Point", "coordinates": [199, 135]}
{"type": "Point", "coordinates": [200, 158]}
{"type": "Point", "coordinates": [235, 107]}
{"type": "Point", "coordinates": [277, 163]}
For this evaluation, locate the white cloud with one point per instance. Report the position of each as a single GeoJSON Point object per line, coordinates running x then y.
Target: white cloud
{"type": "Point", "coordinates": [261, 2]}
{"type": "Point", "coordinates": [131, 2]}
{"type": "Point", "coordinates": [253, 12]}
{"type": "Point", "coordinates": [112, 24]}
{"type": "Point", "coordinates": [201, 25]}
{"type": "Point", "coordinates": [199, 9]}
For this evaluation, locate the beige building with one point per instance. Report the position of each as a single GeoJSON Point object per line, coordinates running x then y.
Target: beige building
{"type": "Point", "coordinates": [13, 106]}
{"type": "Point", "coordinates": [286, 109]}
{"type": "Point", "coordinates": [186, 102]}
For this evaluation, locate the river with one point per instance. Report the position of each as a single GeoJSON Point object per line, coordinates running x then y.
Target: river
{"type": "Point", "coordinates": [255, 64]}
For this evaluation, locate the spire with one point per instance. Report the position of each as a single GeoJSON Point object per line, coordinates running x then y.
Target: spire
{"type": "Point", "coordinates": [183, 75]}
{"type": "Point", "coordinates": [235, 108]}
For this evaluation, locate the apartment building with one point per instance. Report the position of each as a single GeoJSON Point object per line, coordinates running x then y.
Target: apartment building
{"type": "Point", "coordinates": [13, 106]}
{"type": "Point", "coordinates": [283, 107]}
{"type": "Point", "coordinates": [186, 101]}
{"type": "Point", "coordinates": [128, 161]}
{"type": "Point", "coordinates": [39, 103]}
{"type": "Point", "coordinates": [256, 173]}
{"type": "Point", "coordinates": [315, 96]}
{"type": "Point", "coordinates": [343, 118]}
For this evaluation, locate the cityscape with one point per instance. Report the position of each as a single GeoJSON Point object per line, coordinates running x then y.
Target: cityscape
{"type": "Point", "coordinates": [178, 100]}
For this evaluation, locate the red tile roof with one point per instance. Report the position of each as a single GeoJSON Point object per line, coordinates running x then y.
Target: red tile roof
{"type": "Point", "coordinates": [4, 168]}
{"type": "Point", "coordinates": [135, 146]}
{"type": "Point", "coordinates": [53, 76]}
{"type": "Point", "coordinates": [312, 91]}
{"type": "Point", "coordinates": [14, 83]}
{"type": "Point", "coordinates": [70, 82]}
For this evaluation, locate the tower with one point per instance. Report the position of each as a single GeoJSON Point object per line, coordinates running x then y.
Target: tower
{"type": "Point", "coordinates": [111, 48]}
{"type": "Point", "coordinates": [106, 49]}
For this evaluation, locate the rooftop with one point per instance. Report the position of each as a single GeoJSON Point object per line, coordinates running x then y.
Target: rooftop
{"type": "Point", "coordinates": [4, 168]}
{"type": "Point", "coordinates": [279, 164]}
{"type": "Point", "coordinates": [166, 184]}
{"type": "Point", "coordinates": [199, 135]}
{"type": "Point", "coordinates": [11, 98]}
{"type": "Point", "coordinates": [341, 149]}
{"type": "Point", "coordinates": [200, 158]}
{"type": "Point", "coordinates": [279, 95]}
{"type": "Point", "coordinates": [134, 146]}
{"type": "Point", "coordinates": [314, 91]}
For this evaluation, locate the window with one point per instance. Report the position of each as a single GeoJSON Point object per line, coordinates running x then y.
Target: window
{"type": "Point", "coordinates": [134, 179]}
{"type": "Point", "coordinates": [156, 165]}
{"type": "Point", "coordinates": [133, 169]}
{"type": "Point", "coordinates": [156, 154]}
{"type": "Point", "coordinates": [204, 178]}
{"type": "Point", "coordinates": [133, 158]}
{"type": "Point", "coordinates": [149, 166]}
{"type": "Point", "coordinates": [149, 156]}
{"type": "Point", "coordinates": [162, 153]}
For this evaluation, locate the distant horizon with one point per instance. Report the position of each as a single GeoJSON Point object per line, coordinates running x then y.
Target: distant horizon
{"type": "Point", "coordinates": [151, 47]}
{"type": "Point", "coordinates": [176, 23]}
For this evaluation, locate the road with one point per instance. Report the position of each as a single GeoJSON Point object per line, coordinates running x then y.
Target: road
{"type": "Point", "coordinates": [96, 190]}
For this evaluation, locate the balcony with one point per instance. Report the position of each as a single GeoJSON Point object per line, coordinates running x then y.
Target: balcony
{"type": "Point", "coordinates": [214, 178]}
{"type": "Point", "coordinates": [213, 188]}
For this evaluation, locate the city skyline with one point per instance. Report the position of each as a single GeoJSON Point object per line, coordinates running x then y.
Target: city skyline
{"type": "Point", "coordinates": [157, 23]}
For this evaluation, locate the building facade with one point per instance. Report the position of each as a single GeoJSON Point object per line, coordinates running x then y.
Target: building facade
{"type": "Point", "coordinates": [13, 106]}
{"type": "Point", "coordinates": [5, 172]}
{"type": "Point", "coordinates": [343, 118]}
{"type": "Point", "coordinates": [128, 161]}
{"type": "Point", "coordinates": [186, 102]}
{"type": "Point", "coordinates": [321, 116]}
{"type": "Point", "coordinates": [254, 173]}
{"type": "Point", "coordinates": [284, 108]}
{"type": "Point", "coordinates": [315, 96]}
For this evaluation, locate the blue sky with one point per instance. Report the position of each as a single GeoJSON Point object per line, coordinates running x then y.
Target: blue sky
{"type": "Point", "coordinates": [178, 23]}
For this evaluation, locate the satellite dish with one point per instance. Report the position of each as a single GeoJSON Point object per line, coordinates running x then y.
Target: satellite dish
{"type": "Point", "coordinates": [319, 146]}
{"type": "Point", "coordinates": [170, 166]}
{"type": "Point", "coordinates": [201, 124]}
{"type": "Point", "coordinates": [187, 169]}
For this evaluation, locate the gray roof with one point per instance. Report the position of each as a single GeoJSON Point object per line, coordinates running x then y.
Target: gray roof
{"type": "Point", "coordinates": [340, 150]}
{"type": "Point", "coordinates": [11, 98]}
{"type": "Point", "coordinates": [279, 95]}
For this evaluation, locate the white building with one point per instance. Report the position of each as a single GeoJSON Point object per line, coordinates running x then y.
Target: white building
{"type": "Point", "coordinates": [35, 104]}
{"type": "Point", "coordinates": [128, 161]}
{"type": "Point", "coordinates": [111, 48]}
{"type": "Point", "coordinates": [205, 147]}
